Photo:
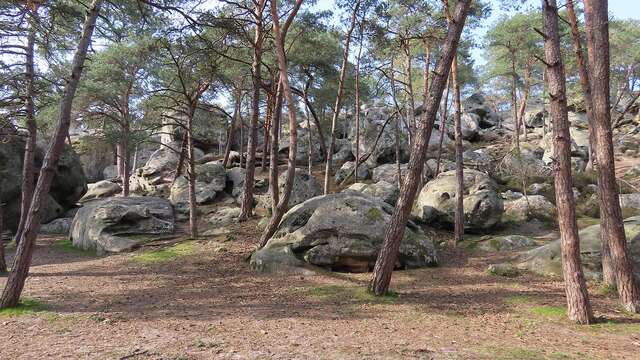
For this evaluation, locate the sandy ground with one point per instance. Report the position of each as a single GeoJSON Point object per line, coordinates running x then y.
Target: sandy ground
{"type": "Point", "coordinates": [203, 302]}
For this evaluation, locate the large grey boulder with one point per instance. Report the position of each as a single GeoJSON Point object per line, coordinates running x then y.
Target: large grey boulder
{"type": "Point", "coordinates": [527, 164]}
{"type": "Point", "coordinates": [528, 208]}
{"type": "Point", "coordinates": [381, 190]}
{"type": "Point", "coordinates": [59, 226]}
{"type": "Point", "coordinates": [630, 203]}
{"type": "Point", "coordinates": [377, 136]}
{"type": "Point", "coordinates": [107, 225]}
{"type": "Point", "coordinates": [469, 124]}
{"type": "Point", "coordinates": [68, 185]}
{"type": "Point", "coordinates": [236, 176]}
{"type": "Point", "coordinates": [389, 173]}
{"type": "Point", "coordinates": [153, 177]}
{"type": "Point", "coordinates": [100, 190]}
{"type": "Point", "coordinates": [211, 179]}
{"type": "Point", "coordinates": [347, 171]}
{"type": "Point", "coordinates": [304, 187]}
{"type": "Point", "coordinates": [547, 259]}
{"type": "Point", "coordinates": [483, 206]}
{"type": "Point", "coordinates": [477, 104]}
{"type": "Point", "coordinates": [341, 232]}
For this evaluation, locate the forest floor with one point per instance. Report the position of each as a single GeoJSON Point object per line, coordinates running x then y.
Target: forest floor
{"type": "Point", "coordinates": [200, 300]}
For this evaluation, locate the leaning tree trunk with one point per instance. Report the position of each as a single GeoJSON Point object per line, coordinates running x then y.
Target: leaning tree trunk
{"type": "Point", "coordinates": [233, 128]}
{"type": "Point", "coordinates": [26, 243]}
{"type": "Point", "coordinates": [443, 119]}
{"type": "Point", "coordinates": [246, 208]}
{"type": "Point", "coordinates": [32, 128]}
{"type": "Point", "coordinates": [578, 306]}
{"type": "Point", "coordinates": [338, 105]}
{"type": "Point", "coordinates": [459, 211]}
{"type": "Point", "coordinates": [191, 177]}
{"type": "Point", "coordinates": [597, 27]}
{"type": "Point", "coordinates": [3, 262]}
{"type": "Point", "coordinates": [282, 204]}
{"type": "Point", "coordinates": [395, 230]}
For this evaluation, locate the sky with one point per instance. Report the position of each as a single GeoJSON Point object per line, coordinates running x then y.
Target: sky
{"type": "Point", "coordinates": [620, 9]}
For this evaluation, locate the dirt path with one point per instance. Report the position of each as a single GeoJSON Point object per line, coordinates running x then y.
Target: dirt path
{"type": "Point", "coordinates": [199, 300]}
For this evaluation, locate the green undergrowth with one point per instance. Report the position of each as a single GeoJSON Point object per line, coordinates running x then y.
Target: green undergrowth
{"type": "Point", "coordinates": [25, 307]}
{"type": "Point", "coordinates": [346, 294]}
{"type": "Point", "coordinates": [67, 246]}
{"type": "Point", "coordinates": [165, 255]}
{"type": "Point", "coordinates": [553, 312]}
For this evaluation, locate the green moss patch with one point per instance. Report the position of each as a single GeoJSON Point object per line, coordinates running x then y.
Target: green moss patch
{"type": "Point", "coordinates": [166, 254]}
{"type": "Point", "coordinates": [345, 294]}
{"type": "Point", "coordinates": [67, 246]}
{"type": "Point", "coordinates": [25, 307]}
{"type": "Point", "coordinates": [549, 311]}
{"type": "Point", "coordinates": [374, 214]}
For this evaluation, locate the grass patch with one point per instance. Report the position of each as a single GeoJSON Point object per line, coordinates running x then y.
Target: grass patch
{"type": "Point", "coordinates": [67, 246]}
{"type": "Point", "coordinates": [166, 254]}
{"type": "Point", "coordinates": [25, 307]}
{"type": "Point", "coordinates": [549, 311]}
{"type": "Point", "coordinates": [615, 327]}
{"type": "Point", "coordinates": [339, 293]}
{"type": "Point", "coordinates": [518, 300]}
{"type": "Point", "coordinates": [521, 354]}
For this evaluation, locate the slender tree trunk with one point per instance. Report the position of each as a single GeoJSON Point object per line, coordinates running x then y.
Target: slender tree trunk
{"type": "Point", "coordinates": [267, 131]}
{"type": "Point", "coordinates": [597, 26]}
{"type": "Point", "coordinates": [525, 95]}
{"type": "Point", "coordinates": [395, 230]}
{"type": "Point", "coordinates": [279, 33]}
{"type": "Point", "coordinates": [338, 105]}
{"type": "Point", "coordinates": [514, 99]}
{"type": "Point", "coordinates": [3, 262]}
{"type": "Point", "coordinates": [274, 190]}
{"type": "Point", "coordinates": [26, 243]}
{"type": "Point", "coordinates": [126, 158]}
{"type": "Point", "coordinates": [578, 306]}
{"type": "Point", "coordinates": [459, 211]}
{"type": "Point", "coordinates": [309, 141]}
{"type": "Point", "coordinates": [233, 128]}
{"type": "Point", "coordinates": [28, 167]}
{"type": "Point", "coordinates": [181, 157]}
{"type": "Point", "coordinates": [397, 150]}
{"type": "Point", "coordinates": [191, 177]}
{"type": "Point", "coordinates": [411, 109]}
{"type": "Point", "coordinates": [357, 90]}
{"type": "Point", "coordinates": [443, 125]}
{"type": "Point", "coordinates": [246, 208]}
{"type": "Point", "coordinates": [323, 145]}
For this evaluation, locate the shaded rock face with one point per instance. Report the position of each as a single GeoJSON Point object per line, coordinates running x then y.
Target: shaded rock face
{"type": "Point", "coordinates": [477, 104]}
{"type": "Point", "coordinates": [371, 124]}
{"type": "Point", "coordinates": [528, 164]}
{"type": "Point", "coordinates": [347, 169]}
{"type": "Point", "coordinates": [107, 225]}
{"type": "Point", "coordinates": [57, 227]}
{"type": "Point", "coordinates": [211, 179]}
{"type": "Point", "coordinates": [381, 190]}
{"type": "Point", "coordinates": [630, 203]}
{"type": "Point", "coordinates": [68, 186]}
{"type": "Point", "coordinates": [341, 232]}
{"type": "Point", "coordinates": [100, 190]}
{"type": "Point", "coordinates": [546, 260]}
{"type": "Point", "coordinates": [95, 155]}
{"type": "Point", "coordinates": [483, 206]}
{"type": "Point", "coordinates": [304, 187]}
{"type": "Point", "coordinates": [507, 243]}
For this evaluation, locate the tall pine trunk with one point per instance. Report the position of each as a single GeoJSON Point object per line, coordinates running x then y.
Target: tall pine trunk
{"type": "Point", "coordinates": [283, 202]}
{"type": "Point", "coordinates": [28, 166]}
{"type": "Point", "coordinates": [597, 26]}
{"type": "Point", "coordinates": [578, 306]}
{"type": "Point", "coordinates": [26, 242]}
{"type": "Point", "coordinates": [246, 208]}
{"type": "Point", "coordinates": [459, 211]}
{"type": "Point", "coordinates": [338, 104]}
{"type": "Point", "coordinates": [3, 262]}
{"type": "Point", "coordinates": [395, 230]}
{"type": "Point", "coordinates": [191, 177]}
{"type": "Point", "coordinates": [233, 128]}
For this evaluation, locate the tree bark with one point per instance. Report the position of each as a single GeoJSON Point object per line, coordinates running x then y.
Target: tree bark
{"type": "Point", "coordinates": [395, 230]}
{"type": "Point", "coordinates": [281, 207]}
{"type": "Point", "coordinates": [28, 166]}
{"type": "Point", "coordinates": [274, 191]}
{"type": "Point", "coordinates": [246, 208]}
{"type": "Point", "coordinates": [459, 211]}
{"type": "Point", "coordinates": [191, 177]}
{"type": "Point", "coordinates": [357, 90]}
{"type": "Point", "coordinates": [578, 306]}
{"type": "Point", "coordinates": [514, 98]}
{"type": "Point", "coordinates": [22, 261]}
{"type": "Point", "coordinates": [338, 104]}
{"type": "Point", "coordinates": [267, 130]}
{"type": "Point", "coordinates": [3, 262]}
{"type": "Point", "coordinates": [233, 128]}
{"type": "Point", "coordinates": [443, 119]}
{"type": "Point", "coordinates": [597, 26]}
